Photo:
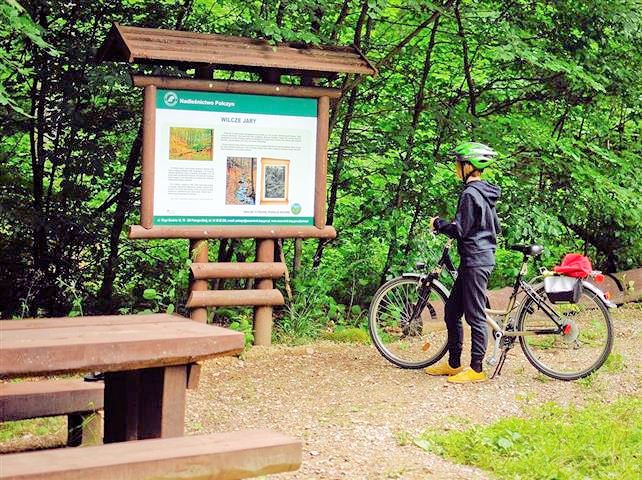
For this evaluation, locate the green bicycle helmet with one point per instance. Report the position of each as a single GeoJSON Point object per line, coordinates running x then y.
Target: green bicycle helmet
{"type": "Point", "coordinates": [478, 155]}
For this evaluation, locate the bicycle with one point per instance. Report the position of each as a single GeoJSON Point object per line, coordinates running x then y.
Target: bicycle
{"type": "Point", "coordinates": [566, 341]}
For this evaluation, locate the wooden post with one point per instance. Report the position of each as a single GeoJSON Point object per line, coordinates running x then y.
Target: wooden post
{"type": "Point", "coordinates": [322, 162]}
{"type": "Point", "coordinates": [149, 140]}
{"type": "Point", "coordinates": [198, 253]}
{"type": "Point", "coordinates": [263, 315]}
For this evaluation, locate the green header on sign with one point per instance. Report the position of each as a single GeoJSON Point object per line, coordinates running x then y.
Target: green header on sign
{"type": "Point", "coordinates": [193, 221]}
{"type": "Point", "coordinates": [235, 103]}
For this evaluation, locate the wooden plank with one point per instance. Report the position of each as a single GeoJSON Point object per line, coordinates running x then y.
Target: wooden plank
{"type": "Point", "coordinates": [263, 313]}
{"type": "Point", "coordinates": [256, 60]}
{"type": "Point", "coordinates": [149, 145]}
{"type": "Point", "coordinates": [143, 43]}
{"type": "Point", "coordinates": [263, 55]}
{"type": "Point", "coordinates": [208, 42]}
{"type": "Point", "coordinates": [198, 253]}
{"type": "Point", "coordinates": [238, 270]}
{"type": "Point", "coordinates": [321, 167]}
{"type": "Point", "coordinates": [132, 31]}
{"type": "Point", "coordinates": [220, 456]}
{"type": "Point", "coordinates": [112, 348]}
{"type": "Point", "coordinates": [231, 86]}
{"type": "Point", "coordinates": [66, 322]}
{"type": "Point", "coordinates": [139, 232]}
{"type": "Point", "coordinates": [19, 401]}
{"type": "Point", "coordinates": [226, 298]}
{"type": "Point", "coordinates": [142, 39]}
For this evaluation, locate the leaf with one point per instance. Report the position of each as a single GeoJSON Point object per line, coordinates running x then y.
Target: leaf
{"type": "Point", "coordinates": [504, 443]}
{"type": "Point", "coordinates": [423, 444]}
{"type": "Point", "coordinates": [150, 294]}
{"type": "Point", "coordinates": [170, 309]}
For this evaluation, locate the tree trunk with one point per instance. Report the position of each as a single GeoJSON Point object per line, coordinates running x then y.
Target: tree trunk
{"type": "Point", "coordinates": [343, 142]}
{"type": "Point", "coordinates": [469, 79]}
{"type": "Point", "coordinates": [105, 295]}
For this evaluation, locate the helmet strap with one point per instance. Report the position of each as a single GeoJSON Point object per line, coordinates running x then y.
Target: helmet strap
{"type": "Point", "coordinates": [465, 176]}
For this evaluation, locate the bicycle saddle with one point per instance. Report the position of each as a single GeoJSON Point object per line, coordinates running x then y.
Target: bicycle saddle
{"type": "Point", "coordinates": [534, 250]}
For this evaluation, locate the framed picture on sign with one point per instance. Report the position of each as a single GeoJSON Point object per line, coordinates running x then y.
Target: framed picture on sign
{"type": "Point", "coordinates": [276, 180]}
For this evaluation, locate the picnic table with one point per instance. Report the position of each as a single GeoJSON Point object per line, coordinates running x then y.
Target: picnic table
{"type": "Point", "coordinates": [146, 360]}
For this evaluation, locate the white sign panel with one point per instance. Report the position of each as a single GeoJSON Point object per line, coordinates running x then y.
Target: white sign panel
{"type": "Point", "coordinates": [234, 159]}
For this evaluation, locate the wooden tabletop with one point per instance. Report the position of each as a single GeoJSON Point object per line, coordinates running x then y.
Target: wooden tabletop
{"type": "Point", "coordinates": [108, 343]}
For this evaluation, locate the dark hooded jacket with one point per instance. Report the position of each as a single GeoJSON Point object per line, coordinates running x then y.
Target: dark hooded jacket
{"type": "Point", "coordinates": [476, 225]}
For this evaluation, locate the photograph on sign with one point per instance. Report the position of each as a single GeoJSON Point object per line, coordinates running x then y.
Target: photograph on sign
{"type": "Point", "coordinates": [234, 159]}
{"type": "Point", "coordinates": [240, 181]}
{"type": "Point", "coordinates": [275, 180]}
{"type": "Point", "coordinates": [190, 143]}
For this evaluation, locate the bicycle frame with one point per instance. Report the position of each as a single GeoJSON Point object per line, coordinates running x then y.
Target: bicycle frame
{"type": "Point", "coordinates": [445, 262]}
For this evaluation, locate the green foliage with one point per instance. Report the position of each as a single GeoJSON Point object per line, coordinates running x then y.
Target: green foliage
{"type": "Point", "coordinates": [17, 27]}
{"type": "Point", "coordinates": [554, 86]}
{"type": "Point", "coordinates": [599, 441]}
{"type": "Point", "coordinates": [243, 324]}
{"type": "Point", "coordinates": [304, 317]}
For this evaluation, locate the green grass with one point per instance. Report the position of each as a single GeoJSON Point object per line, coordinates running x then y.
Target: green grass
{"type": "Point", "coordinates": [615, 363]}
{"type": "Point", "coordinates": [348, 335]}
{"type": "Point", "coordinates": [37, 427]}
{"type": "Point", "coordinates": [600, 441]}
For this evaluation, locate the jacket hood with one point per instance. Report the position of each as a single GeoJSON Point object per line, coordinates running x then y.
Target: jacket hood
{"type": "Point", "coordinates": [487, 190]}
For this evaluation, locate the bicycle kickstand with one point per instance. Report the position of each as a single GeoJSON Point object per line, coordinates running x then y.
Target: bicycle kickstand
{"type": "Point", "coordinates": [500, 363]}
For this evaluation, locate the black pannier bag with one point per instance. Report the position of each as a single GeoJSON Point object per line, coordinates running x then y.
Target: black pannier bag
{"type": "Point", "coordinates": [561, 289]}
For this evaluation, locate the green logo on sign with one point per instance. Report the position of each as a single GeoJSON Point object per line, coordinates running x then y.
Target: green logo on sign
{"type": "Point", "coordinates": [296, 208]}
{"type": "Point", "coordinates": [170, 99]}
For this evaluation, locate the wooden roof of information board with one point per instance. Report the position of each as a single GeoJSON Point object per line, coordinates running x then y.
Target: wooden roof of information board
{"type": "Point", "coordinates": [157, 46]}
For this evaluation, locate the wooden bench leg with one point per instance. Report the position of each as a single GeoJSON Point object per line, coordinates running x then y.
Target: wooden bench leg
{"type": "Point", "coordinates": [147, 403]}
{"type": "Point", "coordinates": [83, 429]}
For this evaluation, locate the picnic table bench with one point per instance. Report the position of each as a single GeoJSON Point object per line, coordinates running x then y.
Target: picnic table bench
{"type": "Point", "coordinates": [78, 400]}
{"type": "Point", "coordinates": [146, 360]}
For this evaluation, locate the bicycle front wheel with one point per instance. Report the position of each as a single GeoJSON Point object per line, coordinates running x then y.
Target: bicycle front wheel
{"type": "Point", "coordinates": [403, 335]}
{"type": "Point", "coordinates": [580, 348]}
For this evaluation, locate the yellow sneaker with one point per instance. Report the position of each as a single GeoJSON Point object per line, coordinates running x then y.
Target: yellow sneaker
{"type": "Point", "coordinates": [443, 369]}
{"type": "Point", "coordinates": [468, 375]}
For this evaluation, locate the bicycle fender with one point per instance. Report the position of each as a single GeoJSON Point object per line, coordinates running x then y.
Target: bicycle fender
{"type": "Point", "coordinates": [599, 293]}
{"type": "Point", "coordinates": [411, 275]}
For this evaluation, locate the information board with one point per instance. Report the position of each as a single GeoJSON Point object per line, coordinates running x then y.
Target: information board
{"type": "Point", "coordinates": [233, 159]}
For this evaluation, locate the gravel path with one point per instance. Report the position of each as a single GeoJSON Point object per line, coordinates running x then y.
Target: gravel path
{"type": "Point", "coordinates": [357, 414]}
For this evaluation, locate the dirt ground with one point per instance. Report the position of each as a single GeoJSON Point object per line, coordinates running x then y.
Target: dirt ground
{"type": "Point", "coordinates": [357, 414]}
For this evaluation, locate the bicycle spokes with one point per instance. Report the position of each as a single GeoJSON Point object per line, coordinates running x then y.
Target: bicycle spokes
{"type": "Point", "coordinates": [573, 343]}
{"type": "Point", "coordinates": [406, 322]}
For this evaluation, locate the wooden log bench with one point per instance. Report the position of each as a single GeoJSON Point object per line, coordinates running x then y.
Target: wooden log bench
{"type": "Point", "coordinates": [77, 399]}
{"type": "Point", "coordinates": [219, 456]}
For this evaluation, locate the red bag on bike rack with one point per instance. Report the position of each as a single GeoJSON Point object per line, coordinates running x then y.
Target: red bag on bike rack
{"type": "Point", "coordinates": [575, 265]}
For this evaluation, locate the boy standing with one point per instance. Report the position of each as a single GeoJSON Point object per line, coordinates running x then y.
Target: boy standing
{"type": "Point", "coordinates": [475, 228]}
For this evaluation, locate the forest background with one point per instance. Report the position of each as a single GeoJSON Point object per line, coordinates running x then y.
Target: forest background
{"type": "Point", "coordinates": [553, 85]}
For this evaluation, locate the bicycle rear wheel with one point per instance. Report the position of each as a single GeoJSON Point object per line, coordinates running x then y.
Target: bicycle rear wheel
{"type": "Point", "coordinates": [579, 349]}
{"type": "Point", "coordinates": [403, 340]}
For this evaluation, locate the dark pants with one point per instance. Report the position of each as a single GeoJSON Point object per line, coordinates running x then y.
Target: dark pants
{"type": "Point", "coordinates": [468, 298]}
